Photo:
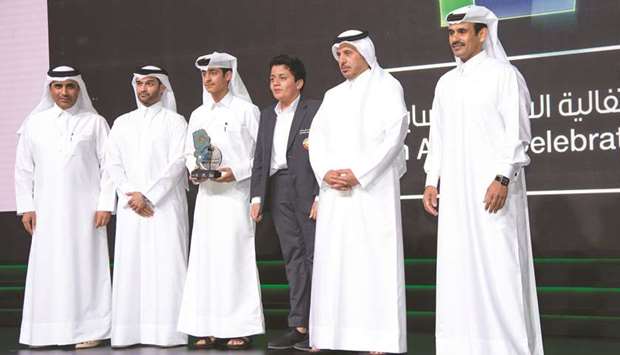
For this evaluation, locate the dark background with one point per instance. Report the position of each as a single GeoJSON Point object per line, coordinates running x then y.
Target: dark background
{"type": "Point", "coordinates": [108, 40]}
{"type": "Point", "coordinates": [575, 237]}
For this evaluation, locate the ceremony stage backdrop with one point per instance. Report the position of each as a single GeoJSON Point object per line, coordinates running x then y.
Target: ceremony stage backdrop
{"type": "Point", "coordinates": [568, 51]}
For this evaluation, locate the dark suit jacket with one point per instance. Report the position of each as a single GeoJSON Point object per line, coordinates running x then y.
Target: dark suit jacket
{"type": "Point", "coordinates": [299, 168]}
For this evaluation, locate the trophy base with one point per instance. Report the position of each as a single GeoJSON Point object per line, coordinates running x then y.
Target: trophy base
{"type": "Point", "coordinates": [201, 174]}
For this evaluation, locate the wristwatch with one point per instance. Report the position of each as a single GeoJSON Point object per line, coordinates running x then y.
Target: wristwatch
{"type": "Point", "coordinates": [502, 180]}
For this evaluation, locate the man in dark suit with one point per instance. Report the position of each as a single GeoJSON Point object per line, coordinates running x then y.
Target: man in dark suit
{"type": "Point", "coordinates": [284, 184]}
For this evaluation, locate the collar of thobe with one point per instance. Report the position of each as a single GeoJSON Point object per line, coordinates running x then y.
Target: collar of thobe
{"type": "Point", "coordinates": [73, 110]}
{"type": "Point", "coordinates": [291, 108]}
{"type": "Point", "coordinates": [224, 102]}
{"type": "Point", "coordinates": [472, 63]}
{"type": "Point", "coordinates": [152, 110]}
{"type": "Point", "coordinates": [361, 79]}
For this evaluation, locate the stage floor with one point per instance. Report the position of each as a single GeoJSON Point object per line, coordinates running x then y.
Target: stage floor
{"type": "Point", "coordinates": [418, 344]}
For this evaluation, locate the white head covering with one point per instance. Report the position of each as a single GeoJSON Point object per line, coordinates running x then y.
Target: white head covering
{"type": "Point", "coordinates": [227, 61]}
{"type": "Point", "coordinates": [62, 73]}
{"type": "Point", "coordinates": [492, 46]}
{"type": "Point", "coordinates": [361, 42]}
{"type": "Point", "coordinates": [167, 98]}
{"type": "Point", "coordinates": [381, 83]}
{"type": "Point", "coordinates": [480, 14]}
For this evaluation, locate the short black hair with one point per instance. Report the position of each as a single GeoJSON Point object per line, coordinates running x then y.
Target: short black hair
{"type": "Point", "coordinates": [294, 64]}
{"type": "Point", "coordinates": [478, 26]}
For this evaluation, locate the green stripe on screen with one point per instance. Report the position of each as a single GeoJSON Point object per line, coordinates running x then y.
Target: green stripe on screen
{"type": "Point", "coordinates": [273, 311]}
{"type": "Point", "coordinates": [425, 314]}
{"type": "Point", "coordinates": [419, 261]}
{"type": "Point", "coordinates": [541, 289]}
{"type": "Point", "coordinates": [13, 267]}
{"type": "Point", "coordinates": [11, 288]}
{"type": "Point", "coordinates": [541, 260]}
{"type": "Point", "coordinates": [573, 289]}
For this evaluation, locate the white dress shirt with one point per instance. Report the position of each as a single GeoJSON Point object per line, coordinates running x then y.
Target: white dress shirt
{"type": "Point", "coordinates": [284, 120]}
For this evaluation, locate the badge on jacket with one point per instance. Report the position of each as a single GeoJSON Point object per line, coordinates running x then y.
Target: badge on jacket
{"type": "Point", "coordinates": [306, 143]}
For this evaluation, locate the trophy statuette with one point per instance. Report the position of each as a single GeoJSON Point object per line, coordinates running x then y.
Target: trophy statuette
{"type": "Point", "coordinates": [208, 157]}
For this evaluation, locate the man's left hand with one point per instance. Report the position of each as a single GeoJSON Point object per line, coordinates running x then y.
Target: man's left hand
{"type": "Point", "coordinates": [102, 218]}
{"type": "Point", "coordinates": [136, 200]}
{"type": "Point", "coordinates": [227, 175]}
{"type": "Point", "coordinates": [348, 176]}
{"type": "Point", "coordinates": [314, 210]}
{"type": "Point", "coordinates": [495, 197]}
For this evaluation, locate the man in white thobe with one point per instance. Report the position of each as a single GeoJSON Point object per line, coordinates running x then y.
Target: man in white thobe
{"type": "Point", "coordinates": [479, 134]}
{"type": "Point", "coordinates": [356, 151]}
{"type": "Point", "coordinates": [144, 158]}
{"type": "Point", "coordinates": [65, 202]}
{"type": "Point", "coordinates": [222, 291]}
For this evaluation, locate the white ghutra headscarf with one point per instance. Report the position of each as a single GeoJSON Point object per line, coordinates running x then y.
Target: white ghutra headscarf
{"type": "Point", "coordinates": [61, 73]}
{"type": "Point", "coordinates": [167, 98]}
{"type": "Point", "coordinates": [226, 61]}
{"type": "Point", "coordinates": [480, 14]}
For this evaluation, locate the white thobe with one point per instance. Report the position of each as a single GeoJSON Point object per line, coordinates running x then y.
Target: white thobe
{"type": "Point", "coordinates": [358, 287]}
{"type": "Point", "coordinates": [222, 290]}
{"type": "Point", "coordinates": [486, 291]}
{"type": "Point", "coordinates": [145, 154]}
{"type": "Point", "coordinates": [58, 176]}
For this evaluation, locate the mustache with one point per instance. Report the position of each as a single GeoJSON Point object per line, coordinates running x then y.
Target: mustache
{"type": "Point", "coordinates": [457, 43]}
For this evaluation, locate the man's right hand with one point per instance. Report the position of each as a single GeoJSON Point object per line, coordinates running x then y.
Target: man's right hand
{"type": "Point", "coordinates": [146, 211]}
{"type": "Point", "coordinates": [335, 181]}
{"type": "Point", "coordinates": [197, 181]}
{"type": "Point", "coordinates": [255, 212]}
{"type": "Point", "coordinates": [29, 219]}
{"type": "Point", "coordinates": [430, 200]}
{"type": "Point", "coordinates": [138, 203]}
{"type": "Point", "coordinates": [136, 200]}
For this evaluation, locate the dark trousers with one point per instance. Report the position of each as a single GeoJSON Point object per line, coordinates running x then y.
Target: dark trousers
{"type": "Point", "coordinates": [296, 234]}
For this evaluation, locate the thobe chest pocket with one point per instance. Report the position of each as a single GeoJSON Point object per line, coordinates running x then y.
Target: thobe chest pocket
{"type": "Point", "coordinates": [81, 144]}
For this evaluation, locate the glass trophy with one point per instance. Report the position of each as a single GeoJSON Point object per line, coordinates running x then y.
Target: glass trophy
{"type": "Point", "coordinates": [208, 157]}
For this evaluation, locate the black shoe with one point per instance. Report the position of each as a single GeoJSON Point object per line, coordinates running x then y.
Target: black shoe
{"type": "Point", "coordinates": [303, 346]}
{"type": "Point", "coordinates": [288, 340]}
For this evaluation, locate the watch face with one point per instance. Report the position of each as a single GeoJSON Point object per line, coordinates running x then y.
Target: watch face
{"type": "Point", "coordinates": [502, 180]}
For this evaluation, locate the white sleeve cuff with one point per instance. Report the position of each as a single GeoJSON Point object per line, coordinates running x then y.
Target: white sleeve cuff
{"type": "Point", "coordinates": [241, 172]}
{"type": "Point", "coordinates": [432, 180]}
{"type": "Point", "coordinates": [107, 202]}
{"type": "Point", "coordinates": [508, 171]}
{"type": "Point", "coordinates": [25, 204]}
